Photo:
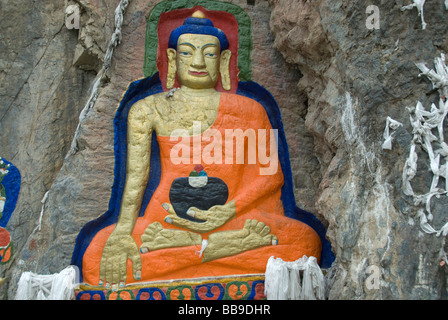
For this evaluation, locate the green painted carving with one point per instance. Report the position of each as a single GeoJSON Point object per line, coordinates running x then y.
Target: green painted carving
{"type": "Point", "coordinates": [237, 290]}
{"type": "Point", "coordinates": [182, 292]}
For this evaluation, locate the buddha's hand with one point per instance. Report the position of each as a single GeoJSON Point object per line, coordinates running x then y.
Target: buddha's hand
{"type": "Point", "coordinates": [213, 218]}
{"type": "Point", "coordinates": [113, 267]}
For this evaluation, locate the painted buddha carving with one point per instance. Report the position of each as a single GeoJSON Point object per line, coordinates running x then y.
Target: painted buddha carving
{"type": "Point", "coordinates": [217, 210]}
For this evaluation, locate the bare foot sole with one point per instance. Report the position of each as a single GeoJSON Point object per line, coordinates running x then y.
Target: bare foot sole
{"type": "Point", "coordinates": [155, 238]}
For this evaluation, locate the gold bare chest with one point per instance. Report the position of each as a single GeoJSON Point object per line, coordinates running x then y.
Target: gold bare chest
{"type": "Point", "coordinates": [180, 112]}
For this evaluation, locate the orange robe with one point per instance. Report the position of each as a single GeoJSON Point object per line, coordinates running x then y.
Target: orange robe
{"type": "Point", "coordinates": [256, 197]}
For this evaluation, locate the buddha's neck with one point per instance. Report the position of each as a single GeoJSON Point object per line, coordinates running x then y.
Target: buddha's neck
{"type": "Point", "coordinates": [197, 92]}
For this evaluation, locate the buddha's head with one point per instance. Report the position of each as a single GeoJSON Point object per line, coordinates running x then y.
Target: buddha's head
{"type": "Point", "coordinates": [198, 53]}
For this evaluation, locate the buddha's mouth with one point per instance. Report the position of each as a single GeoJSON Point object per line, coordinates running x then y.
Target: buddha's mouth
{"type": "Point", "coordinates": [198, 73]}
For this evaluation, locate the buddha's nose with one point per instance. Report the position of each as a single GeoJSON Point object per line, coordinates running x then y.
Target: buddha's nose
{"type": "Point", "coordinates": [198, 60]}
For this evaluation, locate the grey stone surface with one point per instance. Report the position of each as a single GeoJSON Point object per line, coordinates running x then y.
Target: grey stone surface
{"type": "Point", "coordinates": [308, 54]}
{"type": "Point", "coordinates": [41, 96]}
{"type": "Point", "coordinates": [370, 220]}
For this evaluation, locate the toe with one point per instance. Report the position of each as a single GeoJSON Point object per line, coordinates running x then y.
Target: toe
{"type": "Point", "coordinates": [265, 231]}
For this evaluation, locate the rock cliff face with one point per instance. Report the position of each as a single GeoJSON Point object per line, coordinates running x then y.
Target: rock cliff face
{"type": "Point", "coordinates": [335, 80]}
{"type": "Point", "coordinates": [353, 78]}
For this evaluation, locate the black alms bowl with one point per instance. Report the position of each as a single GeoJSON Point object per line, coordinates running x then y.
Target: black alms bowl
{"type": "Point", "coordinates": [183, 196]}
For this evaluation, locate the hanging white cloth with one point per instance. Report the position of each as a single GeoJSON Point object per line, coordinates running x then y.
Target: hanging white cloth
{"type": "Point", "coordinates": [428, 134]}
{"type": "Point", "coordinates": [283, 281]}
{"type": "Point", "coordinates": [60, 286]}
{"type": "Point", "coordinates": [113, 43]}
{"type": "Point", "coordinates": [203, 247]}
{"type": "Point", "coordinates": [391, 124]}
{"type": "Point", "coordinates": [419, 5]}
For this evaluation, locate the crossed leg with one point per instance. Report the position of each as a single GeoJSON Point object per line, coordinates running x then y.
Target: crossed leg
{"type": "Point", "coordinates": [155, 238]}
{"type": "Point", "coordinates": [254, 235]}
{"type": "Point", "coordinates": [222, 244]}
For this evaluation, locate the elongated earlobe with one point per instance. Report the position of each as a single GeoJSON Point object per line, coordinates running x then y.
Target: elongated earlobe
{"type": "Point", "coordinates": [224, 69]}
{"type": "Point", "coordinates": [171, 73]}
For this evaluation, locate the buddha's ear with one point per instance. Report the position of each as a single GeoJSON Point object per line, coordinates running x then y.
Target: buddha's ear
{"type": "Point", "coordinates": [224, 69]}
{"type": "Point", "coordinates": [172, 68]}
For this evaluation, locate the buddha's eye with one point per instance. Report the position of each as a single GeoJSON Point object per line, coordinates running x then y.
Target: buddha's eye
{"type": "Point", "coordinates": [210, 55]}
{"type": "Point", "coordinates": [184, 53]}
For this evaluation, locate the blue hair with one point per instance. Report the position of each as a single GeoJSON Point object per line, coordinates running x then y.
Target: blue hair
{"type": "Point", "coordinates": [198, 26]}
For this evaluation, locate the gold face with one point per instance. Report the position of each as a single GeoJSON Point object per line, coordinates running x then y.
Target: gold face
{"type": "Point", "coordinates": [198, 61]}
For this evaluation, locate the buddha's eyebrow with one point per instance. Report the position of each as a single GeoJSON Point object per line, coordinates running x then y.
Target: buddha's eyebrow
{"type": "Point", "coordinates": [193, 46]}
{"type": "Point", "coordinates": [209, 45]}
{"type": "Point", "coordinates": [187, 43]}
